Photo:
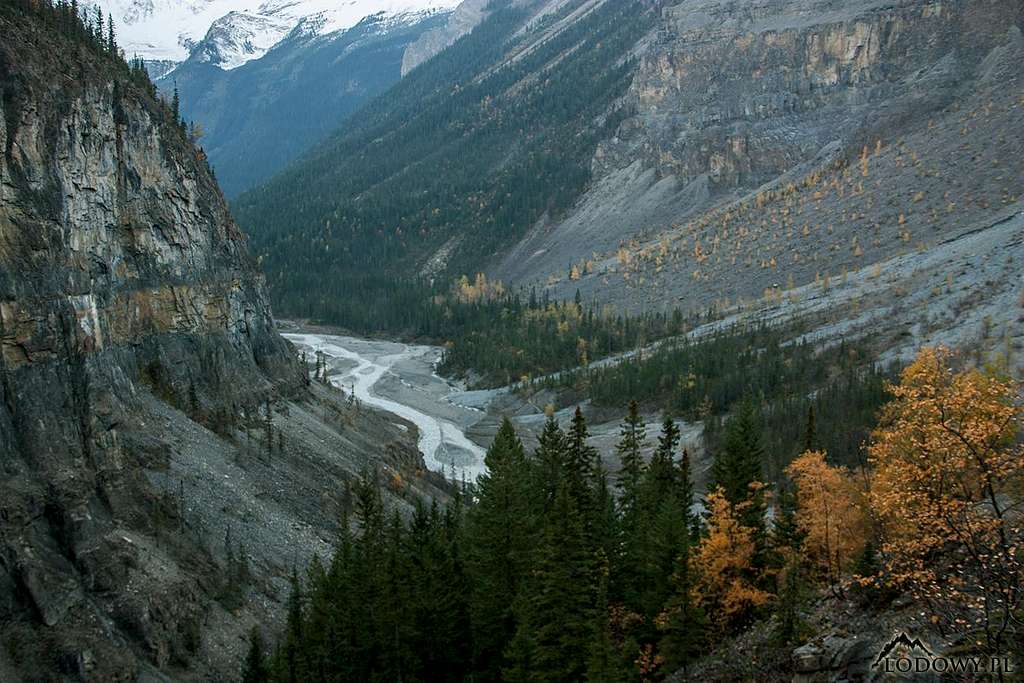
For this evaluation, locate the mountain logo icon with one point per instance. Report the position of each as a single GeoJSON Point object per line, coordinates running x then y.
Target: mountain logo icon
{"type": "Point", "coordinates": [901, 640]}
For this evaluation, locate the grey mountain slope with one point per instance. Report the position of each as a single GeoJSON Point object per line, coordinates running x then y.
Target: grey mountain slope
{"type": "Point", "coordinates": [764, 114]}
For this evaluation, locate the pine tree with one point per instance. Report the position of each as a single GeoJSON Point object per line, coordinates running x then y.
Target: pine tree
{"type": "Point", "coordinates": [176, 104]}
{"type": "Point", "coordinates": [555, 622]}
{"type": "Point", "coordinates": [684, 482]}
{"type": "Point", "coordinates": [664, 528]}
{"type": "Point", "coordinates": [604, 665]}
{"type": "Point", "coordinates": [739, 462]}
{"type": "Point", "coordinates": [580, 461]}
{"type": "Point", "coordinates": [810, 435]}
{"type": "Point", "coordinates": [499, 547]}
{"type": "Point", "coordinates": [786, 534]}
{"type": "Point", "coordinates": [633, 440]}
{"type": "Point", "coordinates": [293, 646]}
{"type": "Point", "coordinates": [792, 595]}
{"type": "Point", "coordinates": [737, 470]}
{"type": "Point", "coordinates": [661, 472]}
{"type": "Point", "coordinates": [255, 667]}
{"type": "Point", "coordinates": [547, 465]}
{"type": "Point", "coordinates": [683, 622]}
{"type": "Point", "coordinates": [605, 530]}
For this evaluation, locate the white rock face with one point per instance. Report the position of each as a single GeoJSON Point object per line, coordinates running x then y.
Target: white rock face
{"type": "Point", "coordinates": [229, 33]}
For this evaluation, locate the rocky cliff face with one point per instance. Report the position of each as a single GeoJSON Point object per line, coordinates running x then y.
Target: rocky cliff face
{"type": "Point", "coordinates": [783, 140]}
{"type": "Point", "coordinates": [464, 19]}
{"type": "Point", "coordinates": [136, 350]}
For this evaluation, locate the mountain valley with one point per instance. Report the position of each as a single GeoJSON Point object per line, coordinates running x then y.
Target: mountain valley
{"type": "Point", "coordinates": [511, 340]}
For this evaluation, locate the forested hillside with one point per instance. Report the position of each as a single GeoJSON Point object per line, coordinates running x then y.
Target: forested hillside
{"type": "Point", "coordinates": [459, 159]}
{"type": "Point", "coordinates": [552, 570]}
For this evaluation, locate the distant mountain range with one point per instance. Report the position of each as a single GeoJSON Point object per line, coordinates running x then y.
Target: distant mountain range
{"type": "Point", "coordinates": [229, 33]}
{"type": "Point", "coordinates": [259, 116]}
{"type": "Point", "coordinates": [652, 154]}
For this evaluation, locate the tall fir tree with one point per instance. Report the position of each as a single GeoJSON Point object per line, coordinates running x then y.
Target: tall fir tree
{"type": "Point", "coordinates": [810, 433]}
{"type": "Point", "coordinates": [683, 623]}
{"type": "Point", "coordinates": [548, 465]}
{"type": "Point", "coordinates": [255, 668]}
{"type": "Point", "coordinates": [662, 472]}
{"type": "Point", "coordinates": [499, 545]}
{"type": "Point", "coordinates": [580, 462]}
{"type": "Point", "coordinates": [633, 439]}
{"type": "Point", "coordinates": [738, 469]}
{"type": "Point", "coordinates": [664, 528]}
{"type": "Point", "coordinates": [555, 609]}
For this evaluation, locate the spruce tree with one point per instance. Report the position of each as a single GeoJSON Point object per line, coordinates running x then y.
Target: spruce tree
{"type": "Point", "coordinates": [605, 665]}
{"type": "Point", "coordinates": [555, 620]}
{"type": "Point", "coordinates": [662, 476]}
{"type": "Point", "coordinates": [176, 105]}
{"type": "Point", "coordinates": [293, 639]}
{"type": "Point", "coordinates": [499, 546]}
{"type": "Point", "coordinates": [684, 622]}
{"type": "Point", "coordinates": [685, 494]}
{"type": "Point", "coordinates": [547, 465]}
{"type": "Point", "coordinates": [255, 668]}
{"type": "Point", "coordinates": [580, 461]}
{"type": "Point", "coordinates": [663, 528]}
{"type": "Point", "coordinates": [738, 464]}
{"type": "Point", "coordinates": [810, 435]}
{"type": "Point", "coordinates": [633, 439]}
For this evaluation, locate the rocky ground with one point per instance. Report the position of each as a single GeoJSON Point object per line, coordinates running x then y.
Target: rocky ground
{"type": "Point", "coordinates": [798, 141]}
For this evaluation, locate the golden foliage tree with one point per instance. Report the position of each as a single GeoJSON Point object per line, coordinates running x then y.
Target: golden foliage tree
{"type": "Point", "coordinates": [724, 565]}
{"type": "Point", "coordinates": [831, 515]}
{"type": "Point", "coordinates": [947, 490]}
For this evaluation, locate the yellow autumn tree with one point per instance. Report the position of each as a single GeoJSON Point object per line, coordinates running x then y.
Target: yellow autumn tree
{"type": "Point", "coordinates": [831, 515]}
{"type": "Point", "coordinates": [724, 565]}
{"type": "Point", "coordinates": [948, 491]}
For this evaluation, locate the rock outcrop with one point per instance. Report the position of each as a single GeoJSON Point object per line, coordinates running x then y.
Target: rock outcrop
{"type": "Point", "coordinates": [464, 19]}
{"type": "Point", "coordinates": [122, 274]}
{"type": "Point", "coordinates": [138, 355]}
{"type": "Point", "coordinates": [783, 139]}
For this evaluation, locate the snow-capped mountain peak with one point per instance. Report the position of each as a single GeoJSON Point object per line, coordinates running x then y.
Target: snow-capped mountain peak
{"type": "Point", "coordinates": [229, 33]}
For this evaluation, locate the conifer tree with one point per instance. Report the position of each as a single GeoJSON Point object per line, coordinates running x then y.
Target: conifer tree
{"type": "Point", "coordinates": [683, 622]}
{"type": "Point", "coordinates": [633, 439]}
{"type": "Point", "coordinates": [685, 494]}
{"type": "Point", "coordinates": [580, 461]}
{"type": "Point", "coordinates": [499, 548]}
{"type": "Point", "coordinates": [737, 470]}
{"type": "Point", "coordinates": [176, 104]}
{"type": "Point", "coordinates": [661, 472]}
{"type": "Point", "coordinates": [810, 433]}
{"type": "Point", "coordinates": [255, 668]}
{"type": "Point", "coordinates": [547, 465]}
{"type": "Point", "coordinates": [664, 528]}
{"type": "Point", "coordinates": [293, 643]}
{"type": "Point", "coordinates": [604, 665]}
{"type": "Point", "coordinates": [555, 622]}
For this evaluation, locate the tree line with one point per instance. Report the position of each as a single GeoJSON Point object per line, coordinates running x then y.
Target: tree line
{"type": "Point", "coordinates": [457, 153]}
{"type": "Point", "coordinates": [703, 378]}
{"type": "Point", "coordinates": [553, 569]}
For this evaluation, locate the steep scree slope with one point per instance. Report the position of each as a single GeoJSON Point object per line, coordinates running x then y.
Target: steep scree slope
{"type": "Point", "coordinates": [781, 141]}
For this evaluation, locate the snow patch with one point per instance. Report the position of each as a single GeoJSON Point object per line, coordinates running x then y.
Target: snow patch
{"type": "Point", "coordinates": [229, 33]}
